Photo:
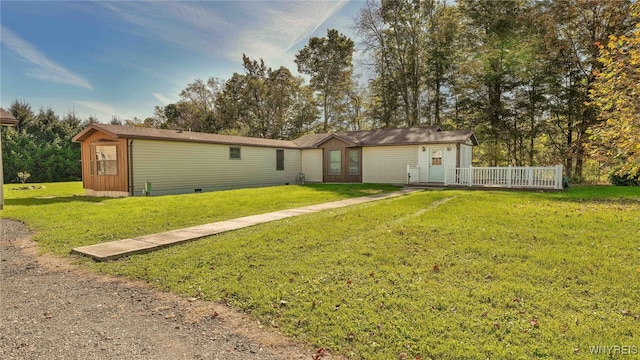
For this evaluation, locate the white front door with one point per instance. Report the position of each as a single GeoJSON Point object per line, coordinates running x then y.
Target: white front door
{"type": "Point", "coordinates": [436, 164]}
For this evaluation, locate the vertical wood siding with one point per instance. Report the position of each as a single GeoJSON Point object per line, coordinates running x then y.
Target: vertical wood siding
{"type": "Point", "coordinates": [111, 183]}
{"type": "Point", "coordinates": [180, 167]}
{"type": "Point", "coordinates": [387, 164]}
{"type": "Point", "coordinates": [335, 144]}
{"type": "Point", "coordinates": [312, 164]}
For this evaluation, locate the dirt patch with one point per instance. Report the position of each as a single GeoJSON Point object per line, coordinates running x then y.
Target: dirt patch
{"type": "Point", "coordinates": [53, 309]}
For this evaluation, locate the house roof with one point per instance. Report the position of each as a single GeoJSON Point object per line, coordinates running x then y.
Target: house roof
{"type": "Point", "coordinates": [131, 132]}
{"type": "Point", "coordinates": [381, 137]}
{"type": "Point", "coordinates": [6, 118]}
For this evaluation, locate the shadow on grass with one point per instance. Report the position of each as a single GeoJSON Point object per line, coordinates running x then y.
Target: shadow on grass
{"type": "Point", "coordinates": [46, 200]}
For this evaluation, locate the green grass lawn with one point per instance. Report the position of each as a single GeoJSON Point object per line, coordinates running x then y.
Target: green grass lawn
{"type": "Point", "coordinates": [436, 274]}
{"type": "Point", "coordinates": [66, 219]}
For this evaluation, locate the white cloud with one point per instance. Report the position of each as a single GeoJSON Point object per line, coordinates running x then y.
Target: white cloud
{"type": "Point", "coordinates": [192, 25]}
{"type": "Point", "coordinates": [163, 98]}
{"type": "Point", "coordinates": [99, 107]}
{"type": "Point", "coordinates": [279, 26]}
{"type": "Point", "coordinates": [260, 29]}
{"type": "Point", "coordinates": [45, 69]}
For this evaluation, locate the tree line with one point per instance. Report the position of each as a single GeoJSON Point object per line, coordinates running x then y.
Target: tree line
{"type": "Point", "coordinates": [520, 73]}
{"type": "Point", "coordinates": [40, 145]}
{"type": "Point", "coordinates": [532, 78]}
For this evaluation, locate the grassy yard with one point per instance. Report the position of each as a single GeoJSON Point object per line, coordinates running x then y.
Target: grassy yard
{"type": "Point", "coordinates": [65, 219]}
{"type": "Point", "coordinates": [442, 274]}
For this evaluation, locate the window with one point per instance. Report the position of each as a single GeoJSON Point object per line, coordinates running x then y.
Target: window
{"type": "Point", "coordinates": [335, 162]}
{"type": "Point", "coordinates": [436, 157]}
{"type": "Point", "coordinates": [106, 160]}
{"type": "Point", "coordinates": [234, 152]}
{"type": "Point", "coordinates": [354, 162]}
{"type": "Point", "coordinates": [279, 159]}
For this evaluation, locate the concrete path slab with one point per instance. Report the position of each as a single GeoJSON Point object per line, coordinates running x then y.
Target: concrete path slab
{"type": "Point", "coordinates": [116, 249]}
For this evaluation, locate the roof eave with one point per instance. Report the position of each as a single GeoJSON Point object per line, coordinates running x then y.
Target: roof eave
{"type": "Point", "coordinates": [82, 135]}
{"type": "Point", "coordinates": [7, 119]}
{"type": "Point", "coordinates": [96, 127]}
{"type": "Point", "coordinates": [335, 136]}
{"type": "Point", "coordinates": [8, 122]}
{"type": "Point", "coordinates": [202, 141]}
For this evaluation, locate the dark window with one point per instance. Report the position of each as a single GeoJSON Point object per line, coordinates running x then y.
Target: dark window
{"type": "Point", "coordinates": [234, 152]}
{"type": "Point", "coordinates": [279, 159]}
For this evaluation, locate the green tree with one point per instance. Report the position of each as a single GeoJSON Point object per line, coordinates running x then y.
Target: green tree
{"type": "Point", "coordinates": [382, 101]}
{"type": "Point", "coordinates": [615, 92]}
{"type": "Point", "coordinates": [412, 47]}
{"type": "Point", "coordinates": [443, 45]}
{"type": "Point", "coordinates": [41, 145]}
{"type": "Point", "coordinates": [264, 102]}
{"type": "Point", "coordinates": [198, 105]}
{"type": "Point", "coordinates": [328, 61]}
{"type": "Point", "coordinates": [21, 110]}
{"type": "Point", "coordinates": [497, 31]}
{"type": "Point", "coordinates": [579, 25]}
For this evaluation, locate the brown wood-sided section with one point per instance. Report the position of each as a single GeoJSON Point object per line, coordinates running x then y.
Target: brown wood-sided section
{"type": "Point", "coordinates": [90, 179]}
{"type": "Point", "coordinates": [336, 144]}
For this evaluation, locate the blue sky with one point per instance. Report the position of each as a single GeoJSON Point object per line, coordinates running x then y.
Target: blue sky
{"type": "Point", "coordinates": [122, 58]}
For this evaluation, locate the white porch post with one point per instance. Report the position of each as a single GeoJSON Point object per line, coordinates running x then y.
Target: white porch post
{"type": "Point", "coordinates": [470, 183]}
{"type": "Point", "coordinates": [558, 183]}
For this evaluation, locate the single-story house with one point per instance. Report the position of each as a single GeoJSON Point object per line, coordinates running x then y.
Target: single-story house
{"type": "Point", "coordinates": [124, 161]}
{"type": "Point", "coordinates": [6, 119]}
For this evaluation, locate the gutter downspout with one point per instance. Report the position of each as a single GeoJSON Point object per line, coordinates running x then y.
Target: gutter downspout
{"type": "Point", "coordinates": [130, 163]}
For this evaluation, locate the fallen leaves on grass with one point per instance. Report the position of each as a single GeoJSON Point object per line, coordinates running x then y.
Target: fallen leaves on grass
{"type": "Point", "coordinates": [534, 322]}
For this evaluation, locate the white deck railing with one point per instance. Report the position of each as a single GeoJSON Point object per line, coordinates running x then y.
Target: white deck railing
{"type": "Point", "coordinates": [506, 177]}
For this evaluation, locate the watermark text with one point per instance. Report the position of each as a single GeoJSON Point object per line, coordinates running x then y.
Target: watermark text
{"type": "Point", "coordinates": [613, 350]}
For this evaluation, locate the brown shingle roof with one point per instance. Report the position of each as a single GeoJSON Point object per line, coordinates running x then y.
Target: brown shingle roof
{"type": "Point", "coordinates": [6, 118]}
{"type": "Point", "coordinates": [131, 132]}
{"type": "Point", "coordinates": [406, 136]}
{"type": "Point", "coordinates": [311, 140]}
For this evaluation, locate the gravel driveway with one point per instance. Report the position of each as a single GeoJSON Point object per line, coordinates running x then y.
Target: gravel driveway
{"type": "Point", "coordinates": [51, 309]}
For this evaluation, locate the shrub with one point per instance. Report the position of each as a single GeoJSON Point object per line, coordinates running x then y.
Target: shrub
{"type": "Point", "coordinates": [618, 178]}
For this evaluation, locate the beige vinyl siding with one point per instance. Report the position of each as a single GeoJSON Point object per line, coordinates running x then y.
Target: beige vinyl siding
{"type": "Point", "coordinates": [387, 164]}
{"type": "Point", "coordinates": [449, 156]}
{"type": "Point", "coordinates": [312, 164]}
{"type": "Point", "coordinates": [465, 155]}
{"type": "Point", "coordinates": [292, 163]}
{"type": "Point", "coordinates": [179, 167]}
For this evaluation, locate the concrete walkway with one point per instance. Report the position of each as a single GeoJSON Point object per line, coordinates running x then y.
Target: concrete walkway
{"type": "Point", "coordinates": [116, 249]}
